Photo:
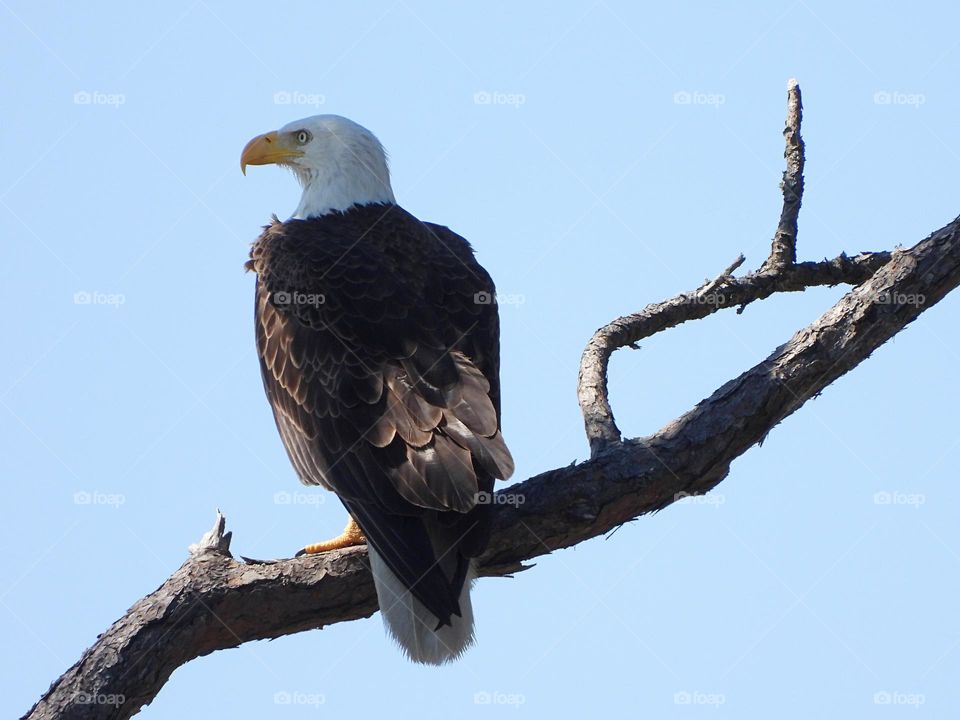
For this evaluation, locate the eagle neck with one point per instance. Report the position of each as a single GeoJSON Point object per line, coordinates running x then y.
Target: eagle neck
{"type": "Point", "coordinates": [336, 189]}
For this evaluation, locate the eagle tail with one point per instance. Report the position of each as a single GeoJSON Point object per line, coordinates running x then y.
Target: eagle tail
{"type": "Point", "coordinates": [416, 630]}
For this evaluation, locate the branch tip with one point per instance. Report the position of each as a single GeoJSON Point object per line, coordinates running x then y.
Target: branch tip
{"type": "Point", "coordinates": [783, 250]}
{"type": "Point", "coordinates": [214, 540]}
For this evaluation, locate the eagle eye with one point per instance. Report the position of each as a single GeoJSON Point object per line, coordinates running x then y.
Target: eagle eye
{"type": "Point", "coordinates": [303, 137]}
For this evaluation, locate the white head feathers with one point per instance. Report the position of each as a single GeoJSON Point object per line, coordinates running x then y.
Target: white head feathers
{"type": "Point", "coordinates": [338, 162]}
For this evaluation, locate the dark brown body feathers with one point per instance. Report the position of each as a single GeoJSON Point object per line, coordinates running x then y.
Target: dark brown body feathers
{"type": "Point", "coordinates": [378, 340]}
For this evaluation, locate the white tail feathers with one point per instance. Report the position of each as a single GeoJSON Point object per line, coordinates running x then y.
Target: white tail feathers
{"type": "Point", "coordinates": [413, 626]}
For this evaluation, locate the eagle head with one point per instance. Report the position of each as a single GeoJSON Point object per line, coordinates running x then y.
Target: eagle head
{"type": "Point", "coordinates": [339, 163]}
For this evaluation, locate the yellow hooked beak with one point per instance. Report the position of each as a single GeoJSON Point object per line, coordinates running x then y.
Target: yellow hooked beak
{"type": "Point", "coordinates": [271, 147]}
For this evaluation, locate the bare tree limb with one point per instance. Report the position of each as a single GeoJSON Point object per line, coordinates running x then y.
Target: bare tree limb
{"type": "Point", "coordinates": [779, 273]}
{"type": "Point", "coordinates": [214, 601]}
{"type": "Point", "coordinates": [784, 249]}
{"type": "Point", "coordinates": [729, 292]}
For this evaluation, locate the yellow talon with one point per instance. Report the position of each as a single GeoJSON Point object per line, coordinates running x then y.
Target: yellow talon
{"type": "Point", "coordinates": [351, 535]}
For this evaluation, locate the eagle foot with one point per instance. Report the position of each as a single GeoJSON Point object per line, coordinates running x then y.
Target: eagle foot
{"type": "Point", "coordinates": [351, 535]}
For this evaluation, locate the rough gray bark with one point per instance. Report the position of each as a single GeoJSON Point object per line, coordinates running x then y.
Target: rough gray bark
{"type": "Point", "coordinates": [784, 250]}
{"type": "Point", "coordinates": [215, 601]}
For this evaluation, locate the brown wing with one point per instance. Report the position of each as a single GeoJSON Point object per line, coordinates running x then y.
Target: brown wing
{"type": "Point", "coordinates": [379, 354]}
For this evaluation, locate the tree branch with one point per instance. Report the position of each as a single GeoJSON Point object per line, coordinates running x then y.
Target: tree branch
{"type": "Point", "coordinates": [784, 249]}
{"type": "Point", "coordinates": [779, 273]}
{"type": "Point", "coordinates": [729, 292]}
{"type": "Point", "coordinates": [214, 601]}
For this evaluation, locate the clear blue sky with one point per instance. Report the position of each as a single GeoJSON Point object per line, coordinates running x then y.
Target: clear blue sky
{"type": "Point", "coordinates": [557, 138]}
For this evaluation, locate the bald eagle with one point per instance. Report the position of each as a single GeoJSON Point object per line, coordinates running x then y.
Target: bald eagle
{"type": "Point", "coordinates": [378, 339]}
